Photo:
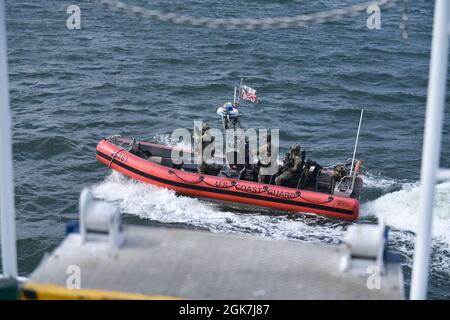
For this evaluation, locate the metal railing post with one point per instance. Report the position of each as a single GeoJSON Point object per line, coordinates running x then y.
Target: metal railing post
{"type": "Point", "coordinates": [437, 85]}
{"type": "Point", "coordinates": [8, 227]}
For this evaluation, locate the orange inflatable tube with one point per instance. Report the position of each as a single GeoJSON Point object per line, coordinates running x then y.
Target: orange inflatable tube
{"type": "Point", "coordinates": [226, 189]}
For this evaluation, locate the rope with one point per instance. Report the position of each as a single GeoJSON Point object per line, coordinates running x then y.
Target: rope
{"type": "Point", "coordinates": [115, 154]}
{"type": "Point", "coordinates": [330, 198]}
{"type": "Point", "coordinates": [246, 23]}
{"type": "Point", "coordinates": [232, 184]}
{"type": "Point", "coordinates": [265, 189]}
{"type": "Point", "coordinates": [129, 146]}
{"type": "Point", "coordinates": [200, 178]}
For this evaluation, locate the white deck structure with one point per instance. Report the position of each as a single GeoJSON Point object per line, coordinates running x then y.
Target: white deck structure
{"type": "Point", "coordinates": [168, 262]}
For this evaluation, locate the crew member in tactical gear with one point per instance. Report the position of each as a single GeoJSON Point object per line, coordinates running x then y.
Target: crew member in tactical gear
{"type": "Point", "coordinates": [204, 140]}
{"type": "Point", "coordinates": [291, 167]}
{"type": "Point", "coordinates": [339, 172]}
{"type": "Point", "coordinates": [265, 149]}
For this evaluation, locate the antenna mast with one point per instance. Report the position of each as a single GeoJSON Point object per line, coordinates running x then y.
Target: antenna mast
{"type": "Point", "coordinates": [356, 142]}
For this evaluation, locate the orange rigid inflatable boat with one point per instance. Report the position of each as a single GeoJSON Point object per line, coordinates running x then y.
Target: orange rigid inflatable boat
{"type": "Point", "coordinates": [151, 163]}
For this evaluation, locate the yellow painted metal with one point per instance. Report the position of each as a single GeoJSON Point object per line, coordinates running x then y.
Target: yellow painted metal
{"type": "Point", "coordinates": [44, 291]}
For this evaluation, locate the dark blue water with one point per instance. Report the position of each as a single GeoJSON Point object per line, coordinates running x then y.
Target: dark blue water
{"type": "Point", "coordinates": [125, 75]}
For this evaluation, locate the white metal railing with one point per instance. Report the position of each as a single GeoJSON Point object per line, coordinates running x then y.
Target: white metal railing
{"type": "Point", "coordinates": [430, 172]}
{"type": "Point", "coordinates": [443, 175]}
{"type": "Point", "coordinates": [8, 227]}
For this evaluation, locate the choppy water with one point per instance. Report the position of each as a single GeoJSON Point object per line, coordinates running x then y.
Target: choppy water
{"type": "Point", "coordinates": [121, 74]}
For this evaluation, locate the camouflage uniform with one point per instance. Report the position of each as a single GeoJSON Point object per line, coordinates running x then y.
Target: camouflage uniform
{"type": "Point", "coordinates": [204, 140]}
{"type": "Point", "coordinates": [291, 169]}
{"type": "Point", "coordinates": [265, 149]}
{"type": "Point", "coordinates": [339, 172]}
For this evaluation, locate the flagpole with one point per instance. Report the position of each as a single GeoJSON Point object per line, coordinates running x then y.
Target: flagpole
{"type": "Point", "coordinates": [240, 86]}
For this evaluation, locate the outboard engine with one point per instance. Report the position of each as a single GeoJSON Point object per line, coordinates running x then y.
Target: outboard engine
{"type": "Point", "coordinates": [309, 175]}
{"type": "Point", "coordinates": [325, 181]}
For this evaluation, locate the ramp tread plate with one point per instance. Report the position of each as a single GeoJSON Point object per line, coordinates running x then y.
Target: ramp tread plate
{"type": "Point", "coordinates": [203, 265]}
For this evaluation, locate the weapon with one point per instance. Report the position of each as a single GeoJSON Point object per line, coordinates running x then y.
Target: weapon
{"type": "Point", "coordinates": [287, 161]}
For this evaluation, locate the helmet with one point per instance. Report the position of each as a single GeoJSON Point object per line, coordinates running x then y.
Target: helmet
{"type": "Point", "coordinates": [228, 106]}
{"type": "Point", "coordinates": [205, 127]}
{"type": "Point", "coordinates": [295, 147]}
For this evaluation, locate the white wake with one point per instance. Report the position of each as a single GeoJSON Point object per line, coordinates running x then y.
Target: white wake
{"type": "Point", "coordinates": [399, 209]}
{"type": "Point", "coordinates": [162, 205]}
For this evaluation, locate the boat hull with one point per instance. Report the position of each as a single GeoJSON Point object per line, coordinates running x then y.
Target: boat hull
{"type": "Point", "coordinates": [226, 189]}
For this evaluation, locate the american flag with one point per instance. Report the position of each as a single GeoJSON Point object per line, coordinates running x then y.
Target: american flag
{"type": "Point", "coordinates": [248, 94]}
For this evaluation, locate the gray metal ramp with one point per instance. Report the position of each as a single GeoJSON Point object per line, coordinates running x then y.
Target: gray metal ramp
{"type": "Point", "coordinates": [202, 265]}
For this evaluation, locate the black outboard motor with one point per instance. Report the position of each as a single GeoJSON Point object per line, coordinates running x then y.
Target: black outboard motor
{"type": "Point", "coordinates": [308, 177]}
